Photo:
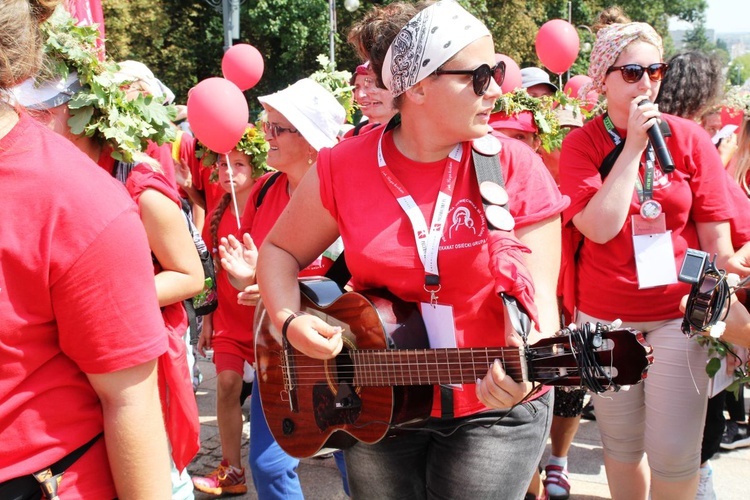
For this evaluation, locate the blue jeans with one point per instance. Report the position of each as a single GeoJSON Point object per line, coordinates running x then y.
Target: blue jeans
{"type": "Point", "coordinates": [274, 472]}
{"type": "Point", "coordinates": [446, 459]}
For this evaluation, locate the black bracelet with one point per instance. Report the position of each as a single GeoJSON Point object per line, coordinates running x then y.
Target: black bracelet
{"type": "Point", "coordinates": [288, 321]}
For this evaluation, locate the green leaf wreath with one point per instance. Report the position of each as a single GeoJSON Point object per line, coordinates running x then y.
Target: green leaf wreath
{"type": "Point", "coordinates": [337, 83]}
{"type": "Point", "coordinates": [542, 108]}
{"type": "Point", "coordinates": [253, 144]}
{"type": "Point", "coordinates": [101, 109]}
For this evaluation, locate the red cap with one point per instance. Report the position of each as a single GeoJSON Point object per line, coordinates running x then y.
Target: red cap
{"type": "Point", "coordinates": [523, 121]}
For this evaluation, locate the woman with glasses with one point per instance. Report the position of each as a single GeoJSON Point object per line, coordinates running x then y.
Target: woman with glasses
{"type": "Point", "coordinates": [377, 191]}
{"type": "Point", "coordinates": [299, 121]}
{"type": "Point", "coordinates": [638, 214]}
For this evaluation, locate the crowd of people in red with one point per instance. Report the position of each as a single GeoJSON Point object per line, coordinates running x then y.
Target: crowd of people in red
{"type": "Point", "coordinates": [97, 260]}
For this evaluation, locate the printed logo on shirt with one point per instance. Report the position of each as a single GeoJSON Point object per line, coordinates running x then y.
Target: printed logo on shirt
{"type": "Point", "coordinates": [465, 226]}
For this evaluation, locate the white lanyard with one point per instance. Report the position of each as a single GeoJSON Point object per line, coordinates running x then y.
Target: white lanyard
{"type": "Point", "coordinates": [428, 240]}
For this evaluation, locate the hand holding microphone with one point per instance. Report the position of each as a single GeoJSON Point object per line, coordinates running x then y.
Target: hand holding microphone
{"type": "Point", "coordinates": [660, 148]}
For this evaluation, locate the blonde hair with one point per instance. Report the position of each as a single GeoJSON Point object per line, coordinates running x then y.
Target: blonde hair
{"type": "Point", "coordinates": [742, 156]}
{"type": "Point", "coordinates": [20, 52]}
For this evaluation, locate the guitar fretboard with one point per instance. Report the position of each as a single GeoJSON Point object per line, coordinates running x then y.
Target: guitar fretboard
{"type": "Point", "coordinates": [380, 368]}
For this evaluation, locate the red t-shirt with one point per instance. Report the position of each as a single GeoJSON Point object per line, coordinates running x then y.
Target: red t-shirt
{"type": "Point", "coordinates": [141, 178]}
{"type": "Point", "coordinates": [232, 322]}
{"type": "Point", "coordinates": [76, 296]}
{"type": "Point", "coordinates": [379, 239]}
{"type": "Point", "coordinates": [606, 282]}
{"type": "Point", "coordinates": [201, 173]}
{"type": "Point", "coordinates": [259, 221]}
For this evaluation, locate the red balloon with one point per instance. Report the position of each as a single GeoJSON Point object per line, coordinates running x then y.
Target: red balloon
{"type": "Point", "coordinates": [574, 85]}
{"type": "Point", "coordinates": [242, 65]}
{"type": "Point", "coordinates": [217, 113]}
{"type": "Point", "coordinates": [512, 74]}
{"type": "Point", "coordinates": [557, 45]}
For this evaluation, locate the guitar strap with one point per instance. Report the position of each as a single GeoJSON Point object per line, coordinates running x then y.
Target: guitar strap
{"type": "Point", "coordinates": [488, 168]}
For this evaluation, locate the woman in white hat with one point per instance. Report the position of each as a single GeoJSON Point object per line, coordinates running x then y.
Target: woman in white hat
{"type": "Point", "coordinates": [439, 64]}
{"type": "Point", "coordinates": [299, 121]}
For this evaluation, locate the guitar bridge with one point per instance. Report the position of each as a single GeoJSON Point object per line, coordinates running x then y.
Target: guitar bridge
{"type": "Point", "coordinates": [289, 393]}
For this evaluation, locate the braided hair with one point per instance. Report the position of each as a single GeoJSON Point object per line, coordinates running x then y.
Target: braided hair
{"type": "Point", "coordinates": [214, 227]}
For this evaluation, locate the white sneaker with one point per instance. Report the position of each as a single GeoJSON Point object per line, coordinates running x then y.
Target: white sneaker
{"type": "Point", "coordinates": [706, 484]}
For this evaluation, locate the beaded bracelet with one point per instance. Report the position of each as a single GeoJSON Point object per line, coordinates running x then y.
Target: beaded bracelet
{"type": "Point", "coordinates": [288, 321]}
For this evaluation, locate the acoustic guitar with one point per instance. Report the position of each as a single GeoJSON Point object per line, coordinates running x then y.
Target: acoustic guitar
{"type": "Point", "coordinates": [384, 375]}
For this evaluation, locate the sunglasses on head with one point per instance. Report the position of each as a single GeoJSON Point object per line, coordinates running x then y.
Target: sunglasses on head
{"type": "Point", "coordinates": [480, 77]}
{"type": "Point", "coordinates": [633, 73]}
{"type": "Point", "coordinates": [276, 130]}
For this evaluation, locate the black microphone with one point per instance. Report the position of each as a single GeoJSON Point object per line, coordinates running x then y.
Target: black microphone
{"type": "Point", "coordinates": [660, 148]}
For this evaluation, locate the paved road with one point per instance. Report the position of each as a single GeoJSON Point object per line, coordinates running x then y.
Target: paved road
{"type": "Point", "coordinates": [320, 478]}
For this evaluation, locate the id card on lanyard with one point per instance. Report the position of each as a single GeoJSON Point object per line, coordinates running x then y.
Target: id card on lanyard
{"type": "Point", "coordinates": [438, 318]}
{"type": "Point", "coordinates": [652, 242]}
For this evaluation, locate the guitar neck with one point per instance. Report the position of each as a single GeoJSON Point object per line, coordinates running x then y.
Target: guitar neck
{"type": "Point", "coordinates": [380, 368]}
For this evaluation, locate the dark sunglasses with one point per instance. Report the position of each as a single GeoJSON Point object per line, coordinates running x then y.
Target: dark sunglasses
{"type": "Point", "coordinates": [480, 77]}
{"type": "Point", "coordinates": [276, 130]}
{"type": "Point", "coordinates": [633, 73]}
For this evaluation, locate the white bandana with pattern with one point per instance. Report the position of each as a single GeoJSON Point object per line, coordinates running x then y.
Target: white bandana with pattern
{"type": "Point", "coordinates": [427, 41]}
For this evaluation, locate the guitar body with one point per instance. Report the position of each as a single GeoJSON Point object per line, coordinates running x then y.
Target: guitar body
{"type": "Point", "coordinates": [323, 408]}
{"type": "Point", "coordinates": [384, 375]}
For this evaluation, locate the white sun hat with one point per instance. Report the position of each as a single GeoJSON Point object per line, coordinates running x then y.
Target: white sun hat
{"type": "Point", "coordinates": [311, 109]}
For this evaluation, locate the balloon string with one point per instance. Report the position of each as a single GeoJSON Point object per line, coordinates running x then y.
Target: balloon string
{"type": "Point", "coordinates": [234, 194]}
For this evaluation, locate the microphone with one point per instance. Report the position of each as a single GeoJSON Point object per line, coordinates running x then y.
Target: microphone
{"type": "Point", "coordinates": [660, 148]}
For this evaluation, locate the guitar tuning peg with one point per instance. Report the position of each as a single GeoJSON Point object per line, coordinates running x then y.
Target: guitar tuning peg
{"type": "Point", "coordinates": [616, 324]}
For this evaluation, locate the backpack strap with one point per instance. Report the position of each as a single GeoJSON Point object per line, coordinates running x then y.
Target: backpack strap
{"type": "Point", "coordinates": [121, 170]}
{"type": "Point", "coordinates": [609, 161]}
{"type": "Point", "coordinates": [266, 186]}
{"type": "Point", "coordinates": [358, 128]}
{"type": "Point", "coordinates": [339, 272]}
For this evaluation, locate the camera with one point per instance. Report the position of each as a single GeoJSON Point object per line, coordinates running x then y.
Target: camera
{"type": "Point", "coordinates": [709, 291]}
{"type": "Point", "coordinates": [693, 266]}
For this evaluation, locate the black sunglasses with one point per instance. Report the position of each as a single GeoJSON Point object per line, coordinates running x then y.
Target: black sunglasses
{"type": "Point", "coordinates": [480, 77]}
{"type": "Point", "coordinates": [633, 73]}
{"type": "Point", "coordinates": [276, 130]}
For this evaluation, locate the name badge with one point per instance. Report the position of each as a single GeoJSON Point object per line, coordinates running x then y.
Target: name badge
{"type": "Point", "coordinates": [654, 253]}
{"type": "Point", "coordinates": [440, 326]}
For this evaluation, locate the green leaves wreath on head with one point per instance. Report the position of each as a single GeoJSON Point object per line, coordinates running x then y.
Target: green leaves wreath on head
{"type": "Point", "coordinates": [337, 83]}
{"type": "Point", "coordinates": [102, 108]}
{"type": "Point", "coordinates": [542, 108]}
{"type": "Point", "coordinates": [253, 144]}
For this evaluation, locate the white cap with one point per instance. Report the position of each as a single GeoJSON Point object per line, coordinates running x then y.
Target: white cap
{"type": "Point", "coordinates": [311, 109]}
{"type": "Point", "coordinates": [48, 95]}
{"type": "Point", "coordinates": [534, 76]}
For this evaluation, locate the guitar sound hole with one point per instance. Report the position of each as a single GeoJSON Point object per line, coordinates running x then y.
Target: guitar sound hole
{"type": "Point", "coordinates": [344, 367]}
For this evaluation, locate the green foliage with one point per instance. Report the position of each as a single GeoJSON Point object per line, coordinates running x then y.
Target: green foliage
{"type": "Point", "coordinates": [739, 70]}
{"type": "Point", "coordinates": [182, 41]}
{"type": "Point", "coordinates": [337, 83]}
{"type": "Point", "coordinates": [542, 109]}
{"type": "Point", "coordinates": [252, 143]}
{"type": "Point", "coordinates": [717, 351]}
{"type": "Point", "coordinates": [101, 109]}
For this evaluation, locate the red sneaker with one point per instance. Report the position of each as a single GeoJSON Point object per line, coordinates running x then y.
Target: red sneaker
{"type": "Point", "coordinates": [224, 480]}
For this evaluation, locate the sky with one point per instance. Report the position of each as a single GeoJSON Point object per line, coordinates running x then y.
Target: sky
{"type": "Point", "coordinates": [724, 16]}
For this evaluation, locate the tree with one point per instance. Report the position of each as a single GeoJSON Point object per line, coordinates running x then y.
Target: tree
{"type": "Point", "coordinates": [696, 39]}
{"type": "Point", "coordinates": [181, 41]}
{"type": "Point", "coordinates": [739, 70]}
